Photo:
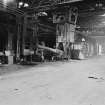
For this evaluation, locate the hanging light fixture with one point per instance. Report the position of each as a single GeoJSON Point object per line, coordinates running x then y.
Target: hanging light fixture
{"type": "Point", "coordinates": [99, 4]}
{"type": "Point", "coordinates": [20, 4]}
{"type": "Point", "coordinates": [26, 4]}
{"type": "Point", "coordinates": [83, 39]}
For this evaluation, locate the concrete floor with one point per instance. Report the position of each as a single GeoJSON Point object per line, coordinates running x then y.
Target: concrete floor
{"type": "Point", "coordinates": [79, 82]}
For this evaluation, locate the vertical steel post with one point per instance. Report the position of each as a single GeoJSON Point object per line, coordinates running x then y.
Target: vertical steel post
{"type": "Point", "coordinates": [18, 36]}
{"type": "Point", "coordinates": [24, 33]}
{"type": "Point", "coordinates": [35, 30]}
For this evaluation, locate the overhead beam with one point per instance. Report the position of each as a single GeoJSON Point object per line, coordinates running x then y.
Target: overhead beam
{"type": "Point", "coordinates": [91, 12]}
{"type": "Point", "coordinates": [46, 26]}
{"type": "Point", "coordinates": [51, 6]}
{"type": "Point", "coordinates": [68, 1]}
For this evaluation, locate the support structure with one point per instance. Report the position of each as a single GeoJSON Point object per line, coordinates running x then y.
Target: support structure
{"type": "Point", "coordinates": [65, 26]}
{"type": "Point", "coordinates": [28, 39]}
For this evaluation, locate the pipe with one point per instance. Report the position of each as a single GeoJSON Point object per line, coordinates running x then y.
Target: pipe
{"type": "Point", "coordinates": [57, 51]}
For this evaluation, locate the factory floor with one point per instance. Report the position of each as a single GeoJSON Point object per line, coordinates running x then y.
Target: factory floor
{"type": "Point", "coordinates": [74, 82]}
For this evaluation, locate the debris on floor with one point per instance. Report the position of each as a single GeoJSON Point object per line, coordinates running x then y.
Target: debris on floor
{"type": "Point", "coordinates": [92, 77]}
